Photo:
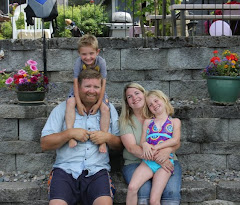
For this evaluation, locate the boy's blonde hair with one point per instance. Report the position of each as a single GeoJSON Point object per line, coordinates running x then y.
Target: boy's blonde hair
{"type": "Point", "coordinates": [88, 40]}
{"type": "Point", "coordinates": [126, 111]}
{"type": "Point", "coordinates": [162, 96]}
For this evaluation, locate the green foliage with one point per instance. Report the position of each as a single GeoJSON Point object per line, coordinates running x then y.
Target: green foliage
{"type": "Point", "coordinates": [20, 21]}
{"type": "Point", "coordinates": [88, 18]}
{"type": "Point", "coordinates": [6, 30]}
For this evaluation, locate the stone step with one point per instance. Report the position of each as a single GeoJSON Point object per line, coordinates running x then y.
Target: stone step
{"type": "Point", "coordinates": [193, 192]}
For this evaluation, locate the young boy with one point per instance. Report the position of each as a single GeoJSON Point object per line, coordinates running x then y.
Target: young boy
{"type": "Point", "coordinates": [88, 59]}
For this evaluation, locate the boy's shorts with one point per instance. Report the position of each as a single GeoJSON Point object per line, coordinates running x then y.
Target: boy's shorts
{"type": "Point", "coordinates": [62, 185]}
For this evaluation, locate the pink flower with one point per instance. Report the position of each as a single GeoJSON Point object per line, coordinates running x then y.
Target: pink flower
{"type": "Point", "coordinates": [31, 62]}
{"type": "Point", "coordinates": [22, 80]}
{"type": "Point", "coordinates": [33, 67]}
{"type": "Point", "coordinates": [21, 72]}
{"type": "Point", "coordinates": [9, 81]}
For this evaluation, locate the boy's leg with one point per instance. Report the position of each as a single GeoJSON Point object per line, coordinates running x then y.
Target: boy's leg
{"type": "Point", "coordinates": [159, 181]}
{"type": "Point", "coordinates": [70, 118]}
{"type": "Point", "coordinates": [104, 124]}
{"type": "Point", "coordinates": [140, 176]}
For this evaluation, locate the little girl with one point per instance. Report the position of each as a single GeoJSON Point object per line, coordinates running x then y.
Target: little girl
{"type": "Point", "coordinates": [159, 131]}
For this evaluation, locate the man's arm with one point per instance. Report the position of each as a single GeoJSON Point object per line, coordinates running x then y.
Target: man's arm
{"type": "Point", "coordinates": [57, 140]}
{"type": "Point", "coordinates": [100, 137]}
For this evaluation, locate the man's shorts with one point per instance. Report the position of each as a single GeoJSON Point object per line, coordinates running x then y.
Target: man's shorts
{"type": "Point", "coordinates": [62, 185]}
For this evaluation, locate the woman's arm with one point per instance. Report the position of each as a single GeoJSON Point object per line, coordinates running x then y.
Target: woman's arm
{"type": "Point", "coordinates": [175, 140]}
{"type": "Point", "coordinates": [130, 144]}
{"type": "Point", "coordinates": [147, 148]}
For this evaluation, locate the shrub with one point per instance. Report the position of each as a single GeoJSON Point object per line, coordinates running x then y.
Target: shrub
{"type": "Point", "coordinates": [88, 18]}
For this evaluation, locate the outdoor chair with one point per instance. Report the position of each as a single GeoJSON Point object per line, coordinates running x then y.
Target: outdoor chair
{"type": "Point", "coordinates": [29, 31]}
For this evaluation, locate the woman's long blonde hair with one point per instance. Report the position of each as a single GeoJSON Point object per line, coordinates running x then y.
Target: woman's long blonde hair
{"type": "Point", "coordinates": [127, 112]}
{"type": "Point", "coordinates": [162, 96]}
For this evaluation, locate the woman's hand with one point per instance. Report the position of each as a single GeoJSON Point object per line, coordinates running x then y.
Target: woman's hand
{"type": "Point", "coordinates": [147, 151]}
{"type": "Point", "coordinates": [162, 155]}
{"type": "Point", "coordinates": [167, 166]}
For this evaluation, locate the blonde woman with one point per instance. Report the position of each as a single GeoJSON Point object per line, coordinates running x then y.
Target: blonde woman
{"type": "Point", "coordinates": [131, 123]}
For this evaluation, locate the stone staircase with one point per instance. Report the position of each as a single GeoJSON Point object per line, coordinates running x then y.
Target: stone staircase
{"type": "Point", "coordinates": [27, 121]}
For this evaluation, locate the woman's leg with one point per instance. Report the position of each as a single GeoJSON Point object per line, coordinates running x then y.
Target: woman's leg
{"type": "Point", "coordinates": [171, 194]}
{"type": "Point", "coordinates": [144, 191]}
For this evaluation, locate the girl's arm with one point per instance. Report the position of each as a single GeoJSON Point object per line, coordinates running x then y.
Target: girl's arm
{"type": "Point", "coordinates": [175, 140]}
{"type": "Point", "coordinates": [147, 148]}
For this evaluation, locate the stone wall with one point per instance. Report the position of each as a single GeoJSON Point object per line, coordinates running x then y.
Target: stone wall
{"type": "Point", "coordinates": [210, 133]}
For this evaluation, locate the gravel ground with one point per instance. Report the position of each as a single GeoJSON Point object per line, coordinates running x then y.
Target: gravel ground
{"type": "Point", "coordinates": [41, 177]}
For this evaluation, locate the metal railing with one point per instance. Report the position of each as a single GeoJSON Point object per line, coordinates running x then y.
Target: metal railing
{"type": "Point", "coordinates": [147, 18]}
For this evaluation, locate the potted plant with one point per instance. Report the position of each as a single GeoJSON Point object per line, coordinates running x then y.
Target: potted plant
{"type": "Point", "coordinates": [223, 77]}
{"type": "Point", "coordinates": [29, 83]}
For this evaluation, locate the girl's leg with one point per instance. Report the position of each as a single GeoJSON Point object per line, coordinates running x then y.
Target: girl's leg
{"type": "Point", "coordinates": [171, 194]}
{"type": "Point", "coordinates": [159, 181]}
{"type": "Point", "coordinates": [144, 191]}
{"type": "Point", "coordinates": [70, 118]}
{"type": "Point", "coordinates": [140, 176]}
{"type": "Point", "coordinates": [104, 124]}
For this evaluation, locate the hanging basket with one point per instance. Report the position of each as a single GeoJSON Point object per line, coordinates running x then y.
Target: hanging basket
{"type": "Point", "coordinates": [31, 97]}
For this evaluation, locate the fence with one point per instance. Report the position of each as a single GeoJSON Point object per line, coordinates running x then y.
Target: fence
{"type": "Point", "coordinates": [139, 18]}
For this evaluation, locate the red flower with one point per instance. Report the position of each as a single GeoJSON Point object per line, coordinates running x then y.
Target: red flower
{"type": "Point", "coordinates": [45, 79]}
{"type": "Point", "coordinates": [215, 52]}
{"type": "Point", "coordinates": [34, 79]}
{"type": "Point", "coordinates": [214, 59]}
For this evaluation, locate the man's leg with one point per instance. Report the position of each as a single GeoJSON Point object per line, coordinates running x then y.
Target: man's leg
{"type": "Point", "coordinates": [62, 188]}
{"type": "Point", "coordinates": [103, 200]}
{"type": "Point", "coordinates": [96, 189]}
{"type": "Point", "coordinates": [57, 202]}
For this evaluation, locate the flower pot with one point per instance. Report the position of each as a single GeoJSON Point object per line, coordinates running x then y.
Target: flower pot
{"type": "Point", "coordinates": [31, 97]}
{"type": "Point", "coordinates": [223, 89]}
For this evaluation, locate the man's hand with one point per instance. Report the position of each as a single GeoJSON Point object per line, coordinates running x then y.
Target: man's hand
{"type": "Point", "coordinates": [81, 109]}
{"type": "Point", "coordinates": [94, 109]}
{"type": "Point", "coordinates": [98, 137]}
{"type": "Point", "coordinates": [79, 134]}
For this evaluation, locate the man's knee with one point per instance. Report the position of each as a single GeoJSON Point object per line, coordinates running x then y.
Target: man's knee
{"type": "Point", "coordinates": [57, 202]}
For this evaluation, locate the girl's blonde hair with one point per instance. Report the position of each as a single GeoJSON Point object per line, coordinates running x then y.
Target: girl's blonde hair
{"type": "Point", "coordinates": [162, 96]}
{"type": "Point", "coordinates": [127, 112]}
{"type": "Point", "coordinates": [88, 40]}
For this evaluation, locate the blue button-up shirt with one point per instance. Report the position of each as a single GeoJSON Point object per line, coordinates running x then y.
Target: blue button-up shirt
{"type": "Point", "coordinates": [86, 155]}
